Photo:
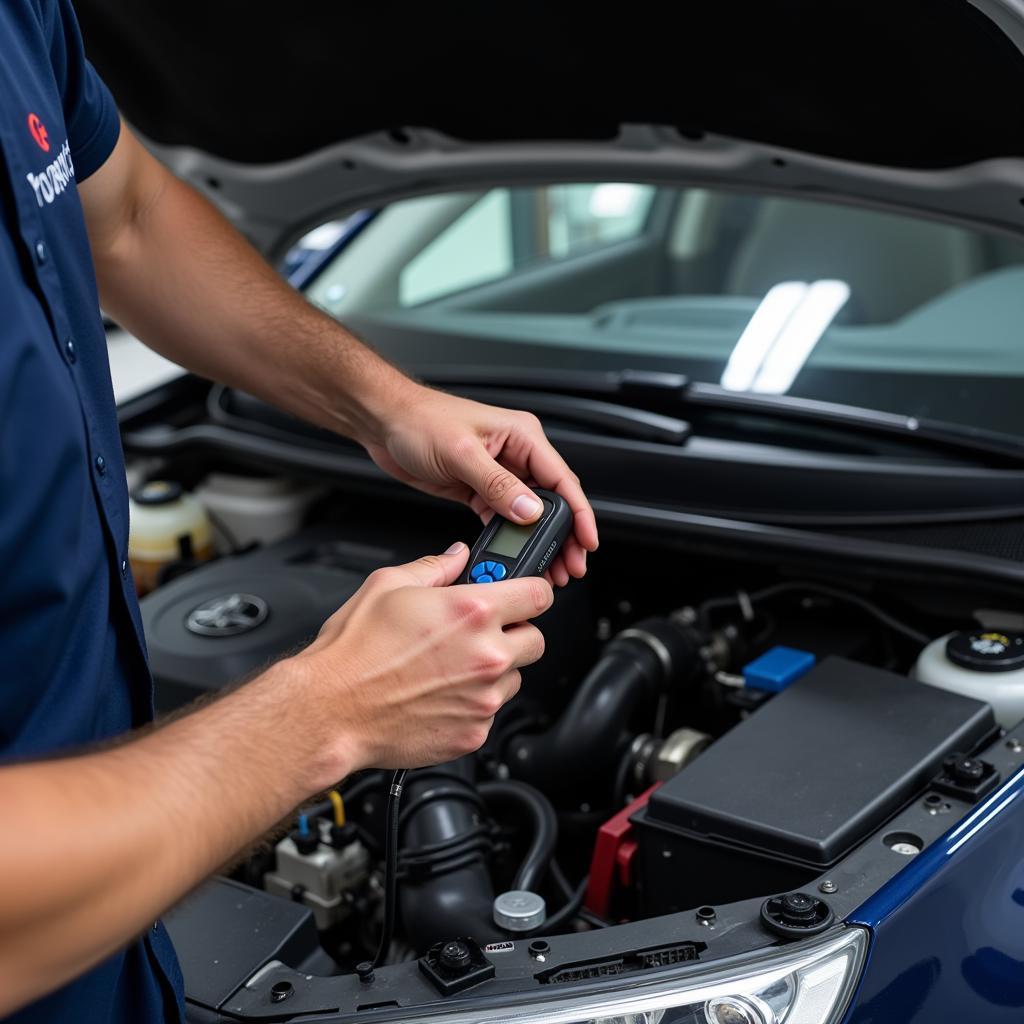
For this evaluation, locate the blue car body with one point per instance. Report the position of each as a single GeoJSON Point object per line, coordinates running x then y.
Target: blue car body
{"type": "Point", "coordinates": [948, 931]}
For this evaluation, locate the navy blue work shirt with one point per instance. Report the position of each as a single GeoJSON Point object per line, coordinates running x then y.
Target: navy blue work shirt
{"type": "Point", "coordinates": [71, 646]}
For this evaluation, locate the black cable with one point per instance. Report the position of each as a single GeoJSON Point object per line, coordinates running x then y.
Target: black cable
{"type": "Point", "coordinates": [390, 866]}
{"type": "Point", "coordinates": [567, 912]}
{"type": "Point", "coordinates": [545, 828]}
{"type": "Point", "coordinates": [817, 588]}
{"type": "Point", "coordinates": [558, 875]}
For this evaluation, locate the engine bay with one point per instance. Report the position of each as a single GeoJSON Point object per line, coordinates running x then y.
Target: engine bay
{"type": "Point", "coordinates": [716, 753]}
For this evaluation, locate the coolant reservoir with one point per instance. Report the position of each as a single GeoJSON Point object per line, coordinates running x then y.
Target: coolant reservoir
{"type": "Point", "coordinates": [167, 526]}
{"type": "Point", "coordinates": [249, 509]}
{"type": "Point", "coordinates": [985, 664]}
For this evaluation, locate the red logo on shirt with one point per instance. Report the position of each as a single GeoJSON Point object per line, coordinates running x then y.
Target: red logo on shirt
{"type": "Point", "coordinates": [39, 132]}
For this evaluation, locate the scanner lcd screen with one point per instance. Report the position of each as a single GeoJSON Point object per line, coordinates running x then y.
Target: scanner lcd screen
{"type": "Point", "coordinates": [510, 539]}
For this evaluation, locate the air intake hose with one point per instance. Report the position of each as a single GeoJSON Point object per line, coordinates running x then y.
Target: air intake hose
{"type": "Point", "coordinates": [575, 760]}
{"type": "Point", "coordinates": [446, 889]}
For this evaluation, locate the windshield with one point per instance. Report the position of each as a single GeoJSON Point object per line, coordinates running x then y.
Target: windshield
{"type": "Point", "coordinates": [757, 293]}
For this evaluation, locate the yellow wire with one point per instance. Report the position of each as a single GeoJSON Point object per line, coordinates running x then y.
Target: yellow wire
{"type": "Point", "coordinates": [339, 807]}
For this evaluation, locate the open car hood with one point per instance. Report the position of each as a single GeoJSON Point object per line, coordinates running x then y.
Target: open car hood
{"type": "Point", "coordinates": [286, 120]}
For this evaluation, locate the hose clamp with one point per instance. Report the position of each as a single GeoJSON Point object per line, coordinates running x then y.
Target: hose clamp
{"type": "Point", "coordinates": [654, 643]}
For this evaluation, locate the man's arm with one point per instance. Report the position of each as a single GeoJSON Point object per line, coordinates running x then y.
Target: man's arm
{"type": "Point", "coordinates": [176, 274]}
{"type": "Point", "coordinates": [94, 847]}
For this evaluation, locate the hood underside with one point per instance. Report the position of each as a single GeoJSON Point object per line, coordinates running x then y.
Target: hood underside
{"type": "Point", "coordinates": [288, 119]}
{"type": "Point", "coordinates": [913, 83]}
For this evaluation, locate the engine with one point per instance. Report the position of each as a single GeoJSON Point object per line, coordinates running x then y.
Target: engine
{"type": "Point", "coordinates": [696, 735]}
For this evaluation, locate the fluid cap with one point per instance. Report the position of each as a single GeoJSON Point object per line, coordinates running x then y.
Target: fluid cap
{"type": "Point", "coordinates": [796, 915]}
{"type": "Point", "coordinates": [519, 910]}
{"type": "Point", "coordinates": [986, 650]}
{"type": "Point", "coordinates": [157, 492]}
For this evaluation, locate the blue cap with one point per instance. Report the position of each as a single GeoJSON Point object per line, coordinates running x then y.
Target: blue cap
{"type": "Point", "coordinates": [777, 668]}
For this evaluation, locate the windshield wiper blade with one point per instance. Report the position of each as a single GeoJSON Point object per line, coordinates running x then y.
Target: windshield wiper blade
{"type": "Point", "coordinates": [675, 389]}
{"type": "Point", "coordinates": [969, 440]}
{"type": "Point", "coordinates": [606, 417]}
{"type": "Point", "coordinates": [620, 383]}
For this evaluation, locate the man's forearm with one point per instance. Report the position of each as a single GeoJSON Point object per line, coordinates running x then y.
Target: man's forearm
{"type": "Point", "coordinates": [92, 849]}
{"type": "Point", "coordinates": [174, 272]}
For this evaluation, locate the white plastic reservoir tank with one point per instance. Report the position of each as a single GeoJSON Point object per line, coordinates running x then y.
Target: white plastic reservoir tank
{"type": "Point", "coordinates": [986, 664]}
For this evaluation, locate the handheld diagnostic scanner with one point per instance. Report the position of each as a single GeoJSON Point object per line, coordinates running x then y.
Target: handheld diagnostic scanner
{"type": "Point", "coordinates": [506, 550]}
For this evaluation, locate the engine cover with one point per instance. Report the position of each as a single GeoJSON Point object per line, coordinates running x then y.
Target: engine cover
{"type": "Point", "coordinates": [226, 620]}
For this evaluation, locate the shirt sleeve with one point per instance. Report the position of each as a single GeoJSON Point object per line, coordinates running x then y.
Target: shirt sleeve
{"type": "Point", "coordinates": [90, 113]}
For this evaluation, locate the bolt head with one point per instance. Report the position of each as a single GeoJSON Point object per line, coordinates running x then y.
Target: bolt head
{"type": "Point", "coordinates": [968, 769]}
{"type": "Point", "coordinates": [828, 886]}
{"type": "Point", "coordinates": [454, 956]}
{"type": "Point", "coordinates": [798, 902]}
{"type": "Point", "coordinates": [280, 991]}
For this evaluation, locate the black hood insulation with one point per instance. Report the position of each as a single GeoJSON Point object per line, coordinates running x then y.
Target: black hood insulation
{"type": "Point", "coordinates": [915, 83]}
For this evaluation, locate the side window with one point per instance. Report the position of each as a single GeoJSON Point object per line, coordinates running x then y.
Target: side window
{"type": "Point", "coordinates": [509, 229]}
{"type": "Point", "coordinates": [475, 248]}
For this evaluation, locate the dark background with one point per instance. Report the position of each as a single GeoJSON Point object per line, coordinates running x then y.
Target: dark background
{"type": "Point", "coordinates": [904, 82]}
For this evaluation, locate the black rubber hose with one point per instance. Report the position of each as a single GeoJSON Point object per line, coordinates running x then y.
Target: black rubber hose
{"type": "Point", "coordinates": [565, 913]}
{"type": "Point", "coordinates": [447, 890]}
{"type": "Point", "coordinates": [544, 824]}
{"type": "Point", "coordinates": [440, 793]}
{"type": "Point", "coordinates": [575, 760]}
{"type": "Point", "coordinates": [558, 876]}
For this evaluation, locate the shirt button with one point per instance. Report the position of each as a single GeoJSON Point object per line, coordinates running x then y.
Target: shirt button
{"type": "Point", "coordinates": [101, 465]}
{"type": "Point", "coordinates": [124, 568]}
{"type": "Point", "coordinates": [40, 253]}
{"type": "Point", "coordinates": [69, 348]}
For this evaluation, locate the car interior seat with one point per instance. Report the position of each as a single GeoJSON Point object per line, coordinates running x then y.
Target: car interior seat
{"type": "Point", "coordinates": [892, 263]}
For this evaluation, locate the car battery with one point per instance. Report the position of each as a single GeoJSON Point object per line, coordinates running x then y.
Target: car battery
{"type": "Point", "coordinates": [792, 789]}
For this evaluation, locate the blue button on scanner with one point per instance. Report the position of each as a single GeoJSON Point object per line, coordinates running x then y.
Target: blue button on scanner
{"type": "Point", "coordinates": [499, 571]}
{"type": "Point", "coordinates": [479, 573]}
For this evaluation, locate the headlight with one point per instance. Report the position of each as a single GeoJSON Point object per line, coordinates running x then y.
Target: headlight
{"type": "Point", "coordinates": [806, 983]}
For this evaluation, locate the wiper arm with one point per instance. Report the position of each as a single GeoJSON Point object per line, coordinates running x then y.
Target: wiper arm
{"type": "Point", "coordinates": [969, 440]}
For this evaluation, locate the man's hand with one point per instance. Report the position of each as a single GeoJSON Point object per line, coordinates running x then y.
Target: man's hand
{"type": "Point", "coordinates": [485, 457]}
{"type": "Point", "coordinates": [417, 669]}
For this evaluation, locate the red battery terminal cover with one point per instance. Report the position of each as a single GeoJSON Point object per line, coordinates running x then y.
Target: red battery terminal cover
{"type": "Point", "coordinates": [611, 865]}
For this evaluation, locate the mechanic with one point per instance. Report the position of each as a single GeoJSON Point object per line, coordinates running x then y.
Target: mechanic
{"type": "Point", "coordinates": [98, 838]}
